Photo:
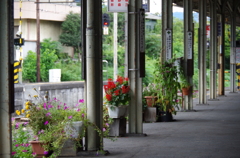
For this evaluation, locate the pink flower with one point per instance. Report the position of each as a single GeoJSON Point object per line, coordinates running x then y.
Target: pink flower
{"type": "Point", "coordinates": [107, 124]}
{"type": "Point", "coordinates": [65, 107]}
{"type": "Point", "coordinates": [46, 123]}
{"type": "Point", "coordinates": [27, 145]}
{"type": "Point", "coordinates": [78, 110]}
{"type": "Point", "coordinates": [14, 152]}
{"type": "Point", "coordinates": [45, 152]}
{"type": "Point", "coordinates": [17, 145]}
{"type": "Point", "coordinates": [48, 114]}
{"type": "Point", "coordinates": [104, 129]}
{"type": "Point", "coordinates": [70, 117]}
{"type": "Point", "coordinates": [81, 101]}
{"type": "Point", "coordinates": [82, 115]}
{"type": "Point", "coordinates": [34, 154]}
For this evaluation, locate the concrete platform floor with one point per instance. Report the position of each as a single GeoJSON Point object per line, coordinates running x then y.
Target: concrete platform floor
{"type": "Point", "coordinates": [212, 131]}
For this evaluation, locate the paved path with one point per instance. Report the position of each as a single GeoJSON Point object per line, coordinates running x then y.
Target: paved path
{"type": "Point", "coordinates": [213, 131]}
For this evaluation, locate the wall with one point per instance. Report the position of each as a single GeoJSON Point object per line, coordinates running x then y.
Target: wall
{"type": "Point", "coordinates": [67, 92]}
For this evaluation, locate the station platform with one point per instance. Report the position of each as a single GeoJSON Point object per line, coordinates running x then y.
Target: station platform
{"type": "Point", "coordinates": [210, 131]}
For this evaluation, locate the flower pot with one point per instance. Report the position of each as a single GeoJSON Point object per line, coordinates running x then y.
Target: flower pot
{"type": "Point", "coordinates": [73, 131]}
{"type": "Point", "coordinates": [38, 149]}
{"type": "Point", "coordinates": [186, 90]}
{"type": "Point", "coordinates": [151, 100]}
{"type": "Point", "coordinates": [165, 116]}
{"type": "Point", "coordinates": [117, 112]}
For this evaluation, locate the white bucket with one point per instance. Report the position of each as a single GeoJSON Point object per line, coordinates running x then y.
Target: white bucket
{"type": "Point", "coordinates": [55, 75]}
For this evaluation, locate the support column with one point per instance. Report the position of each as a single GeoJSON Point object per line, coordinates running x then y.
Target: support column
{"type": "Point", "coordinates": [221, 87]}
{"type": "Point", "coordinates": [94, 71]}
{"type": "Point", "coordinates": [213, 50]}
{"type": "Point", "coordinates": [188, 54]}
{"type": "Point", "coordinates": [233, 49]}
{"type": "Point", "coordinates": [135, 107]}
{"type": "Point", "coordinates": [167, 23]}
{"type": "Point", "coordinates": [6, 77]}
{"type": "Point", "coordinates": [202, 52]}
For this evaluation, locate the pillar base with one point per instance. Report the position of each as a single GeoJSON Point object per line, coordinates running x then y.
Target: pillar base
{"type": "Point", "coordinates": [201, 104]}
{"type": "Point", "coordinates": [188, 110]}
{"type": "Point", "coordinates": [136, 134]}
{"type": "Point", "coordinates": [213, 99]}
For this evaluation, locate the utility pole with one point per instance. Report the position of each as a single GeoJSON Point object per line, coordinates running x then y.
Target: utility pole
{"type": "Point", "coordinates": [38, 40]}
{"type": "Point", "coordinates": [115, 61]}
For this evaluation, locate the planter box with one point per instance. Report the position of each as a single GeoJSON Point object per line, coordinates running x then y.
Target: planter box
{"type": "Point", "coordinates": [150, 114]}
{"type": "Point", "coordinates": [117, 112]}
{"type": "Point", "coordinates": [69, 148]}
{"type": "Point", "coordinates": [118, 127]}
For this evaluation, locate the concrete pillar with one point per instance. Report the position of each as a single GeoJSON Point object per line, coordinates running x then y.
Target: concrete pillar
{"type": "Point", "coordinates": [94, 71]}
{"type": "Point", "coordinates": [188, 54]}
{"type": "Point", "coordinates": [167, 23]}
{"type": "Point", "coordinates": [213, 50]}
{"type": "Point", "coordinates": [6, 77]}
{"type": "Point", "coordinates": [202, 52]}
{"type": "Point", "coordinates": [135, 107]}
{"type": "Point", "coordinates": [221, 87]}
{"type": "Point", "coordinates": [233, 50]}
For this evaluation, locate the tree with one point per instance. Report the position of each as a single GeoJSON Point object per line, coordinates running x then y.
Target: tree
{"type": "Point", "coordinates": [71, 32]}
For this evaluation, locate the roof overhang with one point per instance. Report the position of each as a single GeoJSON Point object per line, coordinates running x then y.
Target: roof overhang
{"type": "Point", "coordinates": [226, 5]}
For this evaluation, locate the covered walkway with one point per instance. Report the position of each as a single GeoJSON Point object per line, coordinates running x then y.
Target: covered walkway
{"type": "Point", "coordinates": [213, 131]}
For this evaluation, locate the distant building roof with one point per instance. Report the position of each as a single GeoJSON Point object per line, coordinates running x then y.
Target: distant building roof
{"type": "Point", "coordinates": [152, 16]}
{"type": "Point", "coordinates": [48, 11]}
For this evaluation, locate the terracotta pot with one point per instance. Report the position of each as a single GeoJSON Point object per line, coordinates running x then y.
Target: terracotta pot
{"type": "Point", "coordinates": [186, 90]}
{"type": "Point", "coordinates": [151, 100]}
{"type": "Point", "coordinates": [37, 147]}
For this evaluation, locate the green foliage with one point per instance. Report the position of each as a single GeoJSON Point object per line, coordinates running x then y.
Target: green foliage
{"type": "Point", "coordinates": [166, 79]}
{"type": "Point", "coordinates": [29, 67]}
{"type": "Point", "coordinates": [153, 44]}
{"type": "Point", "coordinates": [47, 62]}
{"type": "Point", "coordinates": [70, 70]}
{"type": "Point", "coordinates": [48, 58]}
{"type": "Point", "coordinates": [71, 31]}
{"type": "Point", "coordinates": [51, 45]}
{"type": "Point", "coordinates": [20, 138]}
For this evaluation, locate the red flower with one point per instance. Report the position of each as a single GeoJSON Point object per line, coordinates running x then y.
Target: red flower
{"type": "Point", "coordinates": [111, 84]}
{"type": "Point", "coordinates": [125, 89]}
{"type": "Point", "coordinates": [117, 92]}
{"type": "Point", "coordinates": [120, 80]}
{"type": "Point", "coordinates": [109, 97]}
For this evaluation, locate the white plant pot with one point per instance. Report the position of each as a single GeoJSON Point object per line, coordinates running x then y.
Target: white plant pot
{"type": "Point", "coordinates": [117, 112]}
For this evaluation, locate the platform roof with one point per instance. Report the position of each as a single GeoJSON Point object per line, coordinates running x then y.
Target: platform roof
{"type": "Point", "coordinates": [228, 10]}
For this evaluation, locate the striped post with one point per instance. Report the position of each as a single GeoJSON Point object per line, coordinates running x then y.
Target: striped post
{"type": "Point", "coordinates": [18, 62]}
{"type": "Point", "coordinates": [16, 70]}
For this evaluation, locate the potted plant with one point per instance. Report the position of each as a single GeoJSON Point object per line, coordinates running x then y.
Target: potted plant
{"type": "Point", "coordinates": [150, 94]}
{"type": "Point", "coordinates": [117, 96]}
{"type": "Point", "coordinates": [184, 84]}
{"type": "Point", "coordinates": [52, 123]}
{"type": "Point", "coordinates": [166, 79]}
